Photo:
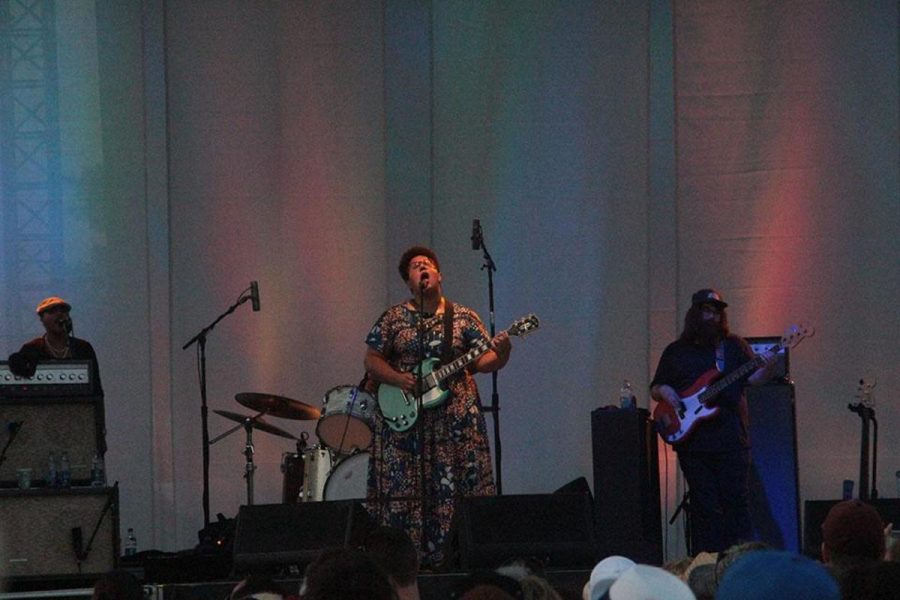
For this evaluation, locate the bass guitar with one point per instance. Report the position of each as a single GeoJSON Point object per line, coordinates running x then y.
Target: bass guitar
{"type": "Point", "coordinates": [697, 401]}
{"type": "Point", "coordinates": [399, 407]}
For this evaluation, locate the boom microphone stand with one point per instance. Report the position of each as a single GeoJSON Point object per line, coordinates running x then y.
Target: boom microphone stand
{"type": "Point", "coordinates": [200, 340]}
{"type": "Point", "coordinates": [420, 424]}
{"type": "Point", "coordinates": [490, 267]}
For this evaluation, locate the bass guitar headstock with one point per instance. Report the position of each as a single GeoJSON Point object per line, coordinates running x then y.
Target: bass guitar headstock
{"type": "Point", "coordinates": [795, 334]}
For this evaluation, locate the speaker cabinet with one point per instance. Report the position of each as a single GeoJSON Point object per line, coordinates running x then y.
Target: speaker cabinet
{"type": "Point", "coordinates": [815, 512]}
{"type": "Point", "coordinates": [490, 530]}
{"type": "Point", "coordinates": [269, 536]}
{"type": "Point", "coordinates": [774, 490]}
{"type": "Point", "coordinates": [52, 424]}
{"type": "Point", "coordinates": [626, 484]}
{"type": "Point", "coordinates": [37, 530]}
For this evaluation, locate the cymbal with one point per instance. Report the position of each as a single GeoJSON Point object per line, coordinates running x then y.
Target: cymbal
{"type": "Point", "coordinates": [257, 423]}
{"type": "Point", "coordinates": [278, 406]}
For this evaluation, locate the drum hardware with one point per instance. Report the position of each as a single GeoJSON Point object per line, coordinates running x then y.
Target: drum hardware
{"type": "Point", "coordinates": [348, 417]}
{"type": "Point", "coordinates": [317, 463]}
{"type": "Point", "coordinates": [278, 406]}
{"type": "Point", "coordinates": [249, 424]}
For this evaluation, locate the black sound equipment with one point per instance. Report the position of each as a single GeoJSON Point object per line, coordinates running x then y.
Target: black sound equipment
{"type": "Point", "coordinates": [555, 529]}
{"type": "Point", "coordinates": [45, 530]}
{"type": "Point", "coordinates": [52, 378]}
{"type": "Point", "coordinates": [774, 488]}
{"type": "Point", "coordinates": [815, 511]}
{"type": "Point", "coordinates": [270, 536]}
{"type": "Point", "coordinates": [626, 484]}
{"type": "Point", "coordinates": [71, 424]}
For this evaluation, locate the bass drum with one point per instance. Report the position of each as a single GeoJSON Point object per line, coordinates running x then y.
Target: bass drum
{"type": "Point", "coordinates": [348, 479]}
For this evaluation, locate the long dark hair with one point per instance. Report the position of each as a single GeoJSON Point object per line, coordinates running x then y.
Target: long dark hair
{"type": "Point", "coordinates": [697, 331]}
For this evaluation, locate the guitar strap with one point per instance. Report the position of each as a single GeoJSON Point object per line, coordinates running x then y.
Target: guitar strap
{"type": "Point", "coordinates": [447, 351]}
{"type": "Point", "coordinates": [720, 356]}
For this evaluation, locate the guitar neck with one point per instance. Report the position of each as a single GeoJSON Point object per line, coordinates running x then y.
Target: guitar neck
{"type": "Point", "coordinates": [460, 363]}
{"type": "Point", "coordinates": [748, 367]}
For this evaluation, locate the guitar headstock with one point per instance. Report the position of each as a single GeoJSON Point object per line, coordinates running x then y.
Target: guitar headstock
{"type": "Point", "coordinates": [795, 334]}
{"type": "Point", "coordinates": [524, 326]}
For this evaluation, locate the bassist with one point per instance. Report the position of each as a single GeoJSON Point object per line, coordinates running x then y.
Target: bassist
{"type": "Point", "coordinates": [456, 452]}
{"type": "Point", "coordinates": [715, 457]}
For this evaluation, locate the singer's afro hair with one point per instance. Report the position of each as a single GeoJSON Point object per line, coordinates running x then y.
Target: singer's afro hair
{"type": "Point", "coordinates": [411, 253]}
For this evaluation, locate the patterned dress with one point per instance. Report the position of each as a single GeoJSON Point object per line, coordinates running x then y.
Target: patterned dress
{"type": "Point", "coordinates": [455, 451]}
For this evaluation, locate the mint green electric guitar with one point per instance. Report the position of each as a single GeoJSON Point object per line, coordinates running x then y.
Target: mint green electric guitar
{"type": "Point", "coordinates": [399, 408]}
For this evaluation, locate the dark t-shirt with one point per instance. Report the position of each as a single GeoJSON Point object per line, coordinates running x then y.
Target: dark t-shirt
{"type": "Point", "coordinates": [681, 364]}
{"type": "Point", "coordinates": [78, 350]}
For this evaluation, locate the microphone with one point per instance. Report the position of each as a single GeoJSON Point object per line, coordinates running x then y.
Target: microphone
{"type": "Point", "coordinates": [254, 295]}
{"type": "Point", "coordinates": [65, 322]}
{"type": "Point", "coordinates": [477, 236]}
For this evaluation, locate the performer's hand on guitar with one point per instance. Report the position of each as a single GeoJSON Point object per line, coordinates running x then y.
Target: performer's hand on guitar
{"type": "Point", "coordinates": [501, 345]}
{"type": "Point", "coordinates": [666, 393]}
{"type": "Point", "coordinates": [405, 381]}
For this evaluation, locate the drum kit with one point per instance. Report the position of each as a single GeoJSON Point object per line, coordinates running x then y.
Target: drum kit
{"type": "Point", "coordinates": [336, 468]}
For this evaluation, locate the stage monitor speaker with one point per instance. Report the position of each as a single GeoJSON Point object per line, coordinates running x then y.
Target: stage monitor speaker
{"type": "Point", "coordinates": [71, 424]}
{"type": "Point", "coordinates": [555, 529]}
{"type": "Point", "coordinates": [815, 512]}
{"type": "Point", "coordinates": [626, 484]}
{"type": "Point", "coordinates": [269, 536]}
{"type": "Point", "coordinates": [38, 536]}
{"type": "Point", "coordinates": [774, 490]}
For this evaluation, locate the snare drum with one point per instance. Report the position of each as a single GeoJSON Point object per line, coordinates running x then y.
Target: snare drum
{"type": "Point", "coordinates": [316, 466]}
{"type": "Point", "coordinates": [348, 419]}
{"type": "Point", "coordinates": [348, 478]}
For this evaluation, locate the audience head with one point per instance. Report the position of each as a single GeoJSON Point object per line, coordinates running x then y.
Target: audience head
{"type": "Point", "coordinates": [776, 575]}
{"type": "Point", "coordinates": [486, 584]}
{"type": "Point", "coordinates": [644, 582]}
{"type": "Point", "coordinates": [395, 553]}
{"type": "Point", "coordinates": [346, 574]}
{"type": "Point", "coordinates": [604, 575]}
{"type": "Point", "coordinates": [117, 585]}
{"type": "Point", "coordinates": [702, 581]}
{"type": "Point", "coordinates": [727, 557]}
{"type": "Point", "coordinates": [256, 587]}
{"type": "Point", "coordinates": [872, 580]}
{"type": "Point", "coordinates": [852, 529]}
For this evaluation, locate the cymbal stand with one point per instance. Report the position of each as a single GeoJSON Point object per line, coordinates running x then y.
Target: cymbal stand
{"type": "Point", "coordinates": [249, 450]}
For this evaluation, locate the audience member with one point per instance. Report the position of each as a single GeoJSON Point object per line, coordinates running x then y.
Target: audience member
{"type": "Point", "coordinates": [644, 582]}
{"type": "Point", "coordinates": [604, 574]}
{"type": "Point", "coordinates": [346, 574]}
{"type": "Point", "coordinates": [397, 556]}
{"type": "Point", "coordinates": [485, 584]}
{"type": "Point", "coordinates": [852, 536]}
{"type": "Point", "coordinates": [729, 556]}
{"type": "Point", "coordinates": [117, 585]}
{"type": "Point", "coordinates": [256, 587]}
{"type": "Point", "coordinates": [873, 581]}
{"type": "Point", "coordinates": [680, 567]}
{"type": "Point", "coordinates": [777, 575]}
{"type": "Point", "coordinates": [702, 581]}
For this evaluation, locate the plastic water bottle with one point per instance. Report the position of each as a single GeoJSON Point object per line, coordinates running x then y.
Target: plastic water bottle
{"type": "Point", "coordinates": [52, 476]}
{"type": "Point", "coordinates": [98, 471]}
{"type": "Point", "coordinates": [130, 543]}
{"type": "Point", "coordinates": [65, 471]}
{"type": "Point", "coordinates": [626, 396]}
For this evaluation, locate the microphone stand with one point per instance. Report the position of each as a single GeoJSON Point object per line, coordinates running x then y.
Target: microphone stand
{"type": "Point", "coordinates": [200, 340]}
{"type": "Point", "coordinates": [82, 556]}
{"type": "Point", "coordinates": [867, 415]}
{"type": "Point", "coordinates": [490, 267]}
{"type": "Point", "coordinates": [420, 424]}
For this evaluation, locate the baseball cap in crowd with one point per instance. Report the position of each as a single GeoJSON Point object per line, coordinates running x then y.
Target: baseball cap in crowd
{"type": "Point", "coordinates": [52, 302]}
{"type": "Point", "coordinates": [605, 574]}
{"type": "Point", "coordinates": [854, 528]}
{"type": "Point", "coordinates": [775, 575]}
{"type": "Point", "coordinates": [708, 295]}
{"type": "Point", "coordinates": [644, 582]}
